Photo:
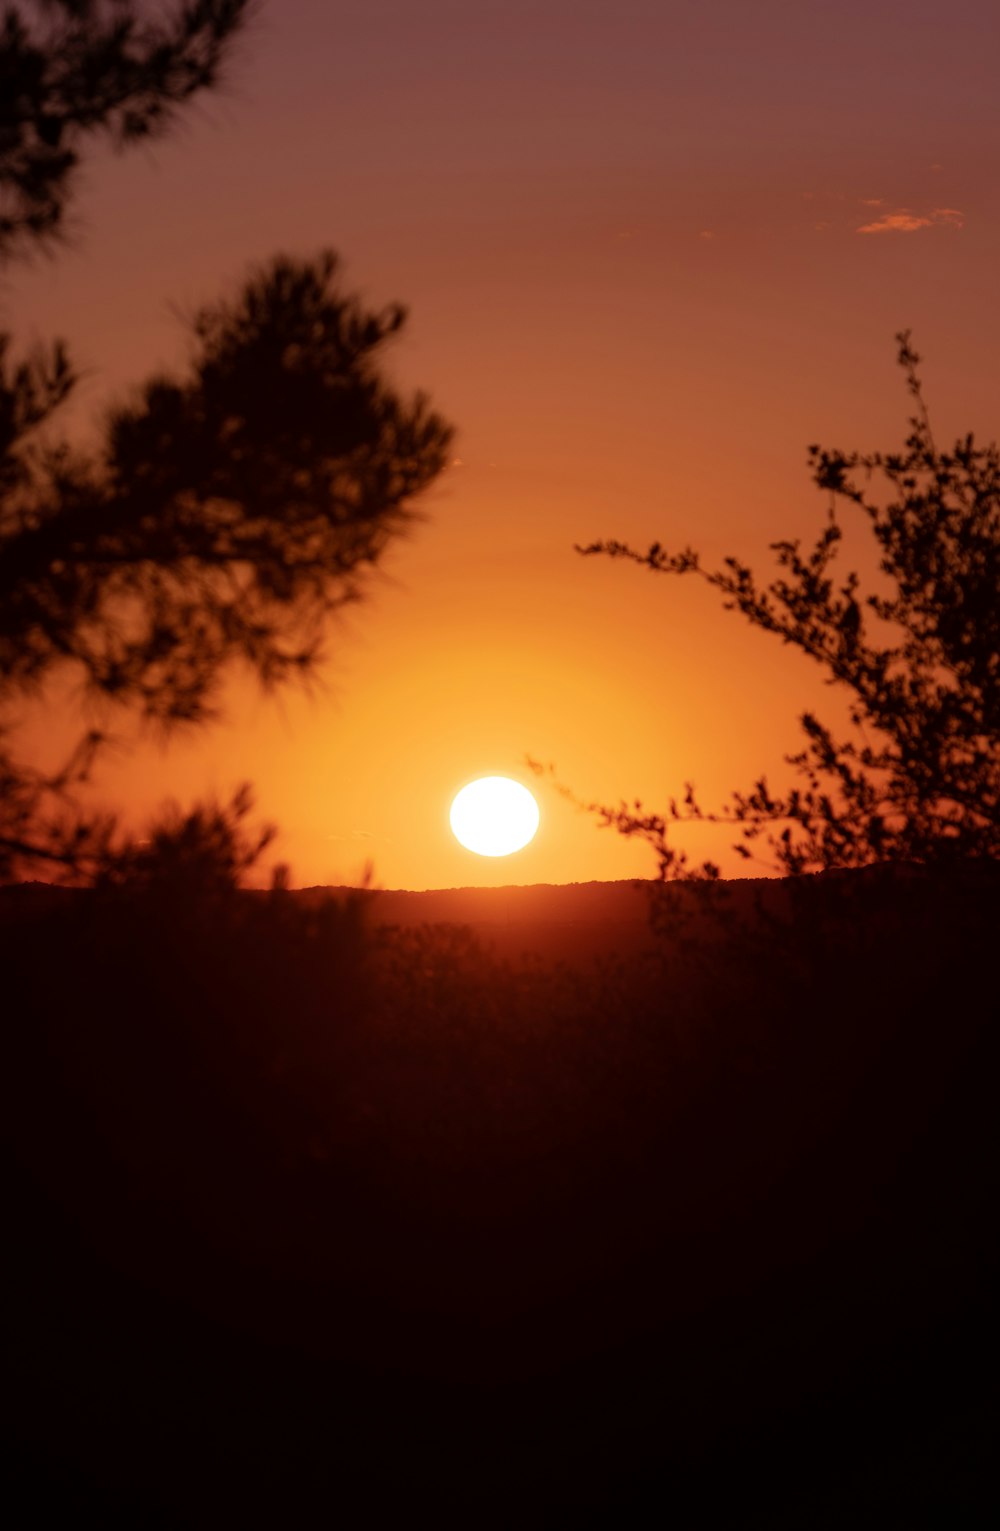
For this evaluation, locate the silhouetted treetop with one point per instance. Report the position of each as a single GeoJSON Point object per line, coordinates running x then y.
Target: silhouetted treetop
{"type": "Point", "coordinates": [920, 781]}
{"type": "Point", "coordinates": [221, 515]}
{"type": "Point", "coordinates": [191, 858]}
{"type": "Point", "coordinates": [71, 69]}
{"type": "Point", "coordinates": [228, 512]}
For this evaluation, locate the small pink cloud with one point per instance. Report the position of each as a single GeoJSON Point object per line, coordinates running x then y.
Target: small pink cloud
{"type": "Point", "coordinates": [872, 201]}
{"type": "Point", "coordinates": [903, 222]}
{"type": "Point", "coordinates": [707, 234]}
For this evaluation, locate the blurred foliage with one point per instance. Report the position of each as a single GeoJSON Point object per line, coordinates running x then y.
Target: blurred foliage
{"type": "Point", "coordinates": [76, 70]}
{"type": "Point", "coordinates": [224, 516]}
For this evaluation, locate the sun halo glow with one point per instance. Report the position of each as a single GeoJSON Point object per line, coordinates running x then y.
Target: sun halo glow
{"type": "Point", "coordinates": [494, 816]}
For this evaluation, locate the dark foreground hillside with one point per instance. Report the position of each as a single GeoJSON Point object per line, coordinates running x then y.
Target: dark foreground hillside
{"type": "Point", "coordinates": [317, 1219]}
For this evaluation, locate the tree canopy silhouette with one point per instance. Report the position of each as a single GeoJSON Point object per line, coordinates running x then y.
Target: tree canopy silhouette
{"type": "Point", "coordinates": [73, 69]}
{"type": "Point", "coordinates": [920, 781]}
{"type": "Point", "coordinates": [222, 515]}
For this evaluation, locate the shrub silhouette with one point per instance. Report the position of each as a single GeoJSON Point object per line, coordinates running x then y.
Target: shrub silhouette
{"type": "Point", "coordinates": [920, 781]}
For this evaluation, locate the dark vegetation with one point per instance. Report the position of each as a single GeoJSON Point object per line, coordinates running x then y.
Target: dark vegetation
{"type": "Point", "coordinates": [222, 517]}
{"type": "Point", "coordinates": [225, 520]}
{"type": "Point", "coordinates": [311, 1207]}
{"type": "Point", "coordinates": [914, 644]}
{"type": "Point", "coordinates": [75, 71]}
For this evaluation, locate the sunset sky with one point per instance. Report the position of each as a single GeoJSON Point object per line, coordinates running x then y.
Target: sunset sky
{"type": "Point", "coordinates": [650, 251]}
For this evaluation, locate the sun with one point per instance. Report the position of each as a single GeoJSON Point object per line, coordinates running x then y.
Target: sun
{"type": "Point", "coordinates": [494, 816]}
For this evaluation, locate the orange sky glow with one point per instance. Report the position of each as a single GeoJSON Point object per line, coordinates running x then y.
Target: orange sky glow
{"type": "Point", "coordinates": [650, 252]}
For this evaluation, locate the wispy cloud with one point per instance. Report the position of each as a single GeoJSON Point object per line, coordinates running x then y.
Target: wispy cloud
{"type": "Point", "coordinates": [903, 221]}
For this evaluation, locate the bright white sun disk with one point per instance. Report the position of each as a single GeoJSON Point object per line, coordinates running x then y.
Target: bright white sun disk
{"type": "Point", "coordinates": [494, 816]}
